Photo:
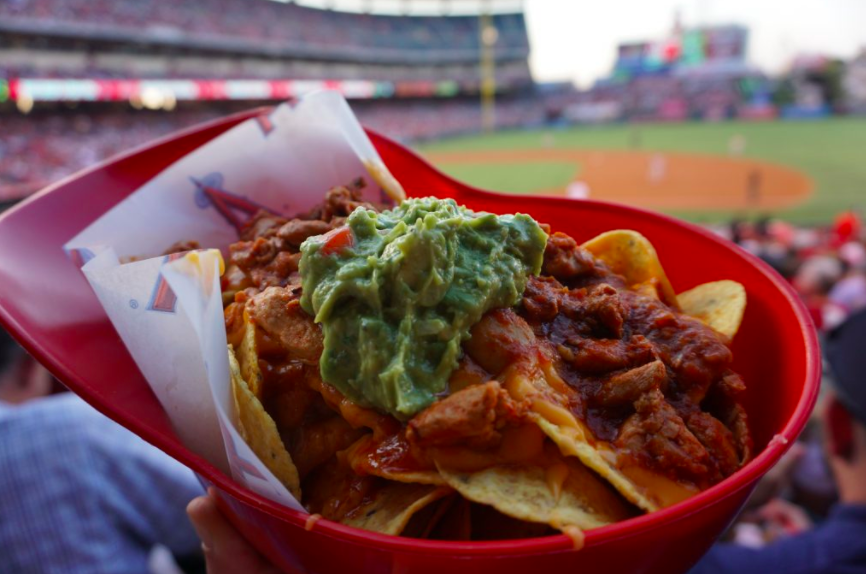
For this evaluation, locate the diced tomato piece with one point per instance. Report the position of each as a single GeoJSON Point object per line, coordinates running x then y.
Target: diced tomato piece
{"type": "Point", "coordinates": [336, 240]}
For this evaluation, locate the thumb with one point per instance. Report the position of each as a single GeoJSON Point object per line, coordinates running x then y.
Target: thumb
{"type": "Point", "coordinates": [225, 550]}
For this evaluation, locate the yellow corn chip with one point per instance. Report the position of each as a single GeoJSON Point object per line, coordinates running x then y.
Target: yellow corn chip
{"type": "Point", "coordinates": [562, 493]}
{"type": "Point", "coordinates": [630, 254]}
{"type": "Point", "coordinates": [259, 431]}
{"type": "Point", "coordinates": [719, 304]}
{"type": "Point", "coordinates": [248, 358]}
{"type": "Point", "coordinates": [393, 506]}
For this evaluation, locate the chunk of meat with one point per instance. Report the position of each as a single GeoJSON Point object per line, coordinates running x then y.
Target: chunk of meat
{"type": "Point", "coordinates": [593, 311]}
{"type": "Point", "coordinates": [467, 373]}
{"type": "Point", "coordinates": [314, 444]}
{"type": "Point", "coordinates": [297, 231]}
{"type": "Point", "coordinates": [717, 439]}
{"type": "Point", "coordinates": [696, 354]}
{"type": "Point", "coordinates": [234, 320]}
{"type": "Point", "coordinates": [600, 356]}
{"type": "Point", "coordinates": [472, 416]}
{"type": "Point", "coordinates": [277, 311]}
{"type": "Point", "coordinates": [182, 247]}
{"type": "Point", "coordinates": [285, 393]}
{"type": "Point", "coordinates": [731, 385]}
{"type": "Point", "coordinates": [599, 308]}
{"type": "Point", "coordinates": [500, 338]}
{"type": "Point", "coordinates": [737, 421]}
{"type": "Point", "coordinates": [234, 280]}
{"type": "Point", "coordinates": [541, 298]}
{"type": "Point", "coordinates": [342, 201]}
{"type": "Point", "coordinates": [658, 438]}
{"type": "Point", "coordinates": [280, 271]}
{"type": "Point", "coordinates": [565, 259]}
{"type": "Point", "coordinates": [334, 490]}
{"type": "Point", "coordinates": [628, 386]}
{"type": "Point", "coordinates": [246, 254]}
{"type": "Point", "coordinates": [262, 224]}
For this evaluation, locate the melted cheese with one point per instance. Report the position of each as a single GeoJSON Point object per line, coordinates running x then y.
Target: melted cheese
{"type": "Point", "coordinates": [553, 379]}
{"type": "Point", "coordinates": [520, 445]}
{"type": "Point", "coordinates": [311, 521]}
{"type": "Point", "coordinates": [578, 538]}
{"type": "Point", "coordinates": [518, 384]}
{"type": "Point", "coordinates": [555, 414]}
{"type": "Point", "coordinates": [658, 487]}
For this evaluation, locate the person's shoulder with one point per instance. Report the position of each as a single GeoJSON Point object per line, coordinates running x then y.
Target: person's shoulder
{"type": "Point", "coordinates": [58, 418]}
{"type": "Point", "coordinates": [60, 407]}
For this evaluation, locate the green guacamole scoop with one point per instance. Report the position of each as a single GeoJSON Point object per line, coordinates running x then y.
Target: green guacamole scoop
{"type": "Point", "coordinates": [397, 293]}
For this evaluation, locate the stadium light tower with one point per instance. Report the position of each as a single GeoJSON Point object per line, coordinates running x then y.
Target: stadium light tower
{"type": "Point", "coordinates": [488, 37]}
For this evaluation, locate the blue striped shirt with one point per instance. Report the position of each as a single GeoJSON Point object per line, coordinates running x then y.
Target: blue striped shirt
{"type": "Point", "coordinates": [80, 494]}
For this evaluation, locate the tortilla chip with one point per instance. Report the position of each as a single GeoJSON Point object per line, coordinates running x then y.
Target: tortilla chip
{"type": "Point", "coordinates": [630, 254]}
{"type": "Point", "coordinates": [533, 493]}
{"type": "Point", "coordinates": [455, 522]}
{"type": "Point", "coordinates": [259, 431]}
{"type": "Point", "coordinates": [719, 304]}
{"type": "Point", "coordinates": [576, 445]}
{"type": "Point", "coordinates": [248, 358]}
{"type": "Point", "coordinates": [386, 180]}
{"type": "Point", "coordinates": [393, 506]}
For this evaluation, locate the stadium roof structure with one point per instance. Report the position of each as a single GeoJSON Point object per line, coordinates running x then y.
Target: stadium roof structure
{"type": "Point", "coordinates": [417, 7]}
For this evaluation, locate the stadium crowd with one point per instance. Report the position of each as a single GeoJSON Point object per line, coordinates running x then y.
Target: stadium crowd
{"type": "Point", "coordinates": [277, 23]}
{"type": "Point", "coordinates": [666, 98]}
{"type": "Point", "coordinates": [825, 264]}
{"type": "Point", "coordinates": [36, 153]}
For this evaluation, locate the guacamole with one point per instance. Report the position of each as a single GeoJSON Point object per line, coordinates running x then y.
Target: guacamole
{"type": "Point", "coordinates": [397, 292]}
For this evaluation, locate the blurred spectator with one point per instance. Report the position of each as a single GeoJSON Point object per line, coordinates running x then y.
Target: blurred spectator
{"type": "Point", "coordinates": [846, 227]}
{"type": "Point", "coordinates": [826, 266]}
{"type": "Point", "coordinates": [849, 293]}
{"type": "Point", "coordinates": [79, 493]}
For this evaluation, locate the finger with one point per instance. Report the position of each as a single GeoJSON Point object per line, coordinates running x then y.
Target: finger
{"type": "Point", "coordinates": [225, 550]}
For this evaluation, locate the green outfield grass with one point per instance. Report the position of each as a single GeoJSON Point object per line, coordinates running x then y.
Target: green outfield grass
{"type": "Point", "coordinates": [515, 178]}
{"type": "Point", "coordinates": [832, 152]}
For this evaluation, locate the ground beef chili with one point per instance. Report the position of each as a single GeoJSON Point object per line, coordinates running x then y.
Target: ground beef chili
{"type": "Point", "coordinates": [645, 377]}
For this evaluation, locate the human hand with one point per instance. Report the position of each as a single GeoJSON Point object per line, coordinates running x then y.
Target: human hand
{"type": "Point", "coordinates": [225, 550]}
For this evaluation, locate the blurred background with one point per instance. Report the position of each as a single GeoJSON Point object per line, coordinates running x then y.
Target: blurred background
{"type": "Point", "coordinates": [749, 119]}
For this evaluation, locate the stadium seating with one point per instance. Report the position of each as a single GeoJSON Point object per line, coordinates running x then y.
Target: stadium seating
{"type": "Point", "coordinates": [36, 150]}
{"type": "Point", "coordinates": [259, 26]}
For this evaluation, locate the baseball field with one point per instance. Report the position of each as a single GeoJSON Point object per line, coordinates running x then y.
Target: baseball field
{"type": "Point", "coordinates": [804, 171]}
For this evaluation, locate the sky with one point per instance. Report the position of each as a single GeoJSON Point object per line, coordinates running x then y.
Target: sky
{"type": "Point", "coordinates": [576, 39]}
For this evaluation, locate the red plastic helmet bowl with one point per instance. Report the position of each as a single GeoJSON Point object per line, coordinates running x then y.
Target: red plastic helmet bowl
{"type": "Point", "coordinates": [47, 304]}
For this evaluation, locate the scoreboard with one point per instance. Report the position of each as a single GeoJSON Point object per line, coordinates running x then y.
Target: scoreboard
{"type": "Point", "coordinates": [690, 47]}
